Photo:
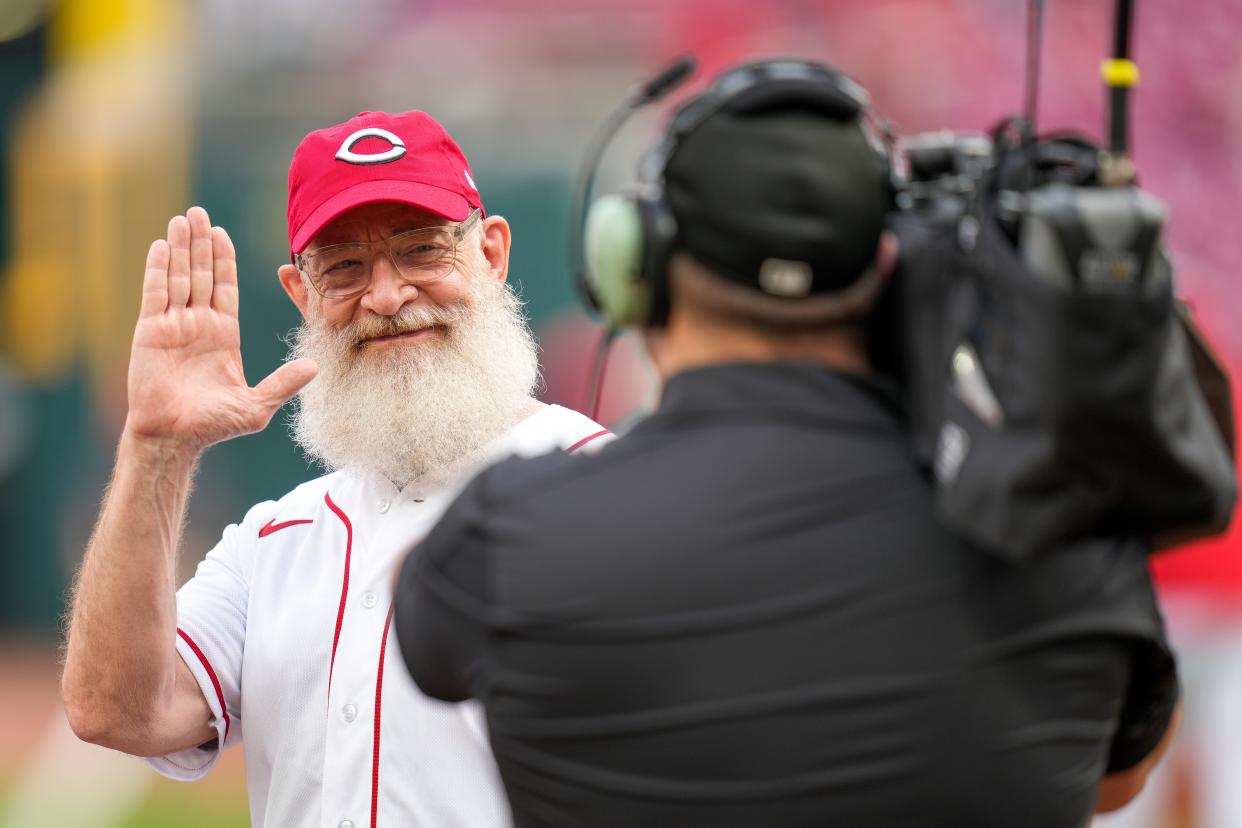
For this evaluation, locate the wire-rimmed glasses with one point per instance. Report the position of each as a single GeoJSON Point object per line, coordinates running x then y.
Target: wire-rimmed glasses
{"type": "Point", "coordinates": [422, 256]}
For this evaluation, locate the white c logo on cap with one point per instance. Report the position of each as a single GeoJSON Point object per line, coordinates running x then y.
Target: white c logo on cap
{"type": "Point", "coordinates": [346, 152]}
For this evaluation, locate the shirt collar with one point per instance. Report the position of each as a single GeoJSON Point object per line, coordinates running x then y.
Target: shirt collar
{"type": "Point", "coordinates": [773, 387]}
{"type": "Point", "coordinates": [451, 479]}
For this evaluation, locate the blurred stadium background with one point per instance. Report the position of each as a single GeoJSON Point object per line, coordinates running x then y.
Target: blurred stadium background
{"type": "Point", "coordinates": [116, 114]}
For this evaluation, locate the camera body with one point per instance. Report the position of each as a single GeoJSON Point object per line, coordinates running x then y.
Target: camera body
{"type": "Point", "coordinates": [1055, 386]}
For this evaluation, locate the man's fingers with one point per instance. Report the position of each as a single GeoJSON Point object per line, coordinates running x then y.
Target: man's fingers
{"type": "Point", "coordinates": [179, 262]}
{"type": "Point", "coordinates": [155, 280]}
{"type": "Point", "coordinates": [284, 382]}
{"type": "Point", "coordinates": [201, 271]}
{"type": "Point", "coordinates": [224, 257]}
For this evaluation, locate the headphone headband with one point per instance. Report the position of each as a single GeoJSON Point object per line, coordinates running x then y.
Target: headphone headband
{"type": "Point", "coordinates": [757, 87]}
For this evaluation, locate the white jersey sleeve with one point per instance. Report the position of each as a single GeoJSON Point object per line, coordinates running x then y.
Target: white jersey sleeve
{"type": "Point", "coordinates": [211, 635]}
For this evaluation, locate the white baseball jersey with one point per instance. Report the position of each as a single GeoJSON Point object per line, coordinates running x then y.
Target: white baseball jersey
{"type": "Point", "coordinates": [294, 606]}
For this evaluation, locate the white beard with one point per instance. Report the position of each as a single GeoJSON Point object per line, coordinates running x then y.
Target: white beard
{"type": "Point", "coordinates": [417, 410]}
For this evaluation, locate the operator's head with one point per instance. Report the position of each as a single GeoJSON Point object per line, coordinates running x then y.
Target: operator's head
{"type": "Point", "coordinates": [779, 191]}
{"type": "Point", "coordinates": [783, 203]}
{"type": "Point", "coordinates": [400, 276]}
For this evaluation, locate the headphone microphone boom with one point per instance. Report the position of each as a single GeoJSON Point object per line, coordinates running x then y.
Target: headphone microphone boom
{"type": "Point", "coordinates": [668, 80]}
{"type": "Point", "coordinates": [653, 90]}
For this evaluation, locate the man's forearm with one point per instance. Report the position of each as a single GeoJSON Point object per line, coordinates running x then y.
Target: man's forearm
{"type": "Point", "coordinates": [121, 657]}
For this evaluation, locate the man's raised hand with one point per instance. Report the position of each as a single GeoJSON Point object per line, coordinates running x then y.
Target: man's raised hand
{"type": "Point", "coordinates": [186, 383]}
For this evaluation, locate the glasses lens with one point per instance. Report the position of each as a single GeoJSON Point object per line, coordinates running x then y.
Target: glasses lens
{"type": "Point", "coordinates": [424, 255]}
{"type": "Point", "coordinates": [339, 270]}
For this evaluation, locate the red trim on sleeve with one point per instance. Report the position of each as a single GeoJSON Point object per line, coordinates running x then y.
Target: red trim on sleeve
{"type": "Point", "coordinates": [186, 768]}
{"type": "Point", "coordinates": [273, 526]}
{"type": "Point", "coordinates": [215, 682]}
{"type": "Point", "coordinates": [379, 697]}
{"type": "Point", "coordinates": [586, 440]}
{"type": "Point", "coordinates": [340, 612]}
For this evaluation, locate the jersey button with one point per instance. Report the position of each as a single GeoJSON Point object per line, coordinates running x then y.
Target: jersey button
{"type": "Point", "coordinates": [369, 599]}
{"type": "Point", "coordinates": [349, 712]}
{"type": "Point", "coordinates": [383, 505]}
{"type": "Point", "coordinates": [346, 823]}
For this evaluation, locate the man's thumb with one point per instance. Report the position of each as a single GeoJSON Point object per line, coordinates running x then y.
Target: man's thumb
{"type": "Point", "coordinates": [285, 381]}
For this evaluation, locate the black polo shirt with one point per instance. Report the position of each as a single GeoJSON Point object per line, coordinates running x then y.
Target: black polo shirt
{"type": "Point", "coordinates": [744, 613]}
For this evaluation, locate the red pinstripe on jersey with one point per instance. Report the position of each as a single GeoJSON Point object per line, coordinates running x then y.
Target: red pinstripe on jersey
{"type": "Point", "coordinates": [379, 696]}
{"type": "Point", "coordinates": [215, 682]}
{"type": "Point", "coordinates": [586, 440]}
{"type": "Point", "coordinates": [340, 612]}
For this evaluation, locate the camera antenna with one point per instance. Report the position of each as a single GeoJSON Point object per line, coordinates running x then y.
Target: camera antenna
{"type": "Point", "coordinates": [1034, 46]}
{"type": "Point", "coordinates": [1014, 138]}
{"type": "Point", "coordinates": [1120, 75]}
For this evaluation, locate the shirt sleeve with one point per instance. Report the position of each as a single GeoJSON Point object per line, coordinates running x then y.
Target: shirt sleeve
{"type": "Point", "coordinates": [441, 606]}
{"type": "Point", "coordinates": [211, 635]}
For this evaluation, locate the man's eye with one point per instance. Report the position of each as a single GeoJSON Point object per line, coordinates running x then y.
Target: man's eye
{"type": "Point", "coordinates": [422, 254]}
{"type": "Point", "coordinates": [343, 268]}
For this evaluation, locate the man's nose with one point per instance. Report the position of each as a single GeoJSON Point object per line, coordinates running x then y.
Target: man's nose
{"type": "Point", "coordinates": [387, 292]}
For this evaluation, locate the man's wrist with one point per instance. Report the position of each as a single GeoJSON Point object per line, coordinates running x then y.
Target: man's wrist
{"type": "Point", "coordinates": [162, 452]}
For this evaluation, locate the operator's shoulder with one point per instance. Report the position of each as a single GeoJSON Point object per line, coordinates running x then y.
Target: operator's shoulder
{"type": "Point", "coordinates": [595, 460]}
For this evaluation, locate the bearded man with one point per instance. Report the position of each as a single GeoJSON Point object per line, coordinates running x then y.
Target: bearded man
{"type": "Point", "coordinates": [422, 369]}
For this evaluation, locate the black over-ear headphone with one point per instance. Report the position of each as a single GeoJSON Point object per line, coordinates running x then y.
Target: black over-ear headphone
{"type": "Point", "coordinates": [624, 243]}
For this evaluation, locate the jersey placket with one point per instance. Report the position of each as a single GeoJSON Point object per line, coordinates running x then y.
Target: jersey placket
{"type": "Point", "coordinates": [350, 728]}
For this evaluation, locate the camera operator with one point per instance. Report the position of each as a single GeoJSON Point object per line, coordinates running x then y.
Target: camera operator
{"type": "Point", "coordinates": [745, 611]}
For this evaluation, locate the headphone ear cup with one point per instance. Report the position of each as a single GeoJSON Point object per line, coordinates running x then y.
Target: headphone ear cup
{"type": "Point", "coordinates": [659, 236]}
{"type": "Point", "coordinates": [614, 246]}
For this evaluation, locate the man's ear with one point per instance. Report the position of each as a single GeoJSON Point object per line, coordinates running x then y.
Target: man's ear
{"type": "Point", "coordinates": [496, 239]}
{"type": "Point", "coordinates": [293, 283]}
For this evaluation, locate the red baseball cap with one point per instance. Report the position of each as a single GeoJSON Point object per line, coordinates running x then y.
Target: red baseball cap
{"type": "Point", "coordinates": [377, 156]}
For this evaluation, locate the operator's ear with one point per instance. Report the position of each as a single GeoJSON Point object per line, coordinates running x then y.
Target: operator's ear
{"type": "Point", "coordinates": [886, 254]}
{"type": "Point", "coordinates": [655, 348]}
{"type": "Point", "coordinates": [293, 283]}
{"type": "Point", "coordinates": [496, 239]}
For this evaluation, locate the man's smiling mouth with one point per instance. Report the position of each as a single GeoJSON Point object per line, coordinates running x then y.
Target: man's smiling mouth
{"type": "Point", "coordinates": [402, 337]}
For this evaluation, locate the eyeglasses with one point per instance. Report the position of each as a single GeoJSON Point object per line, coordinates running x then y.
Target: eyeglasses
{"type": "Point", "coordinates": [422, 257]}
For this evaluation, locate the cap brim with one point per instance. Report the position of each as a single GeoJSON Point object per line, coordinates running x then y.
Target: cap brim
{"type": "Point", "coordinates": [450, 205]}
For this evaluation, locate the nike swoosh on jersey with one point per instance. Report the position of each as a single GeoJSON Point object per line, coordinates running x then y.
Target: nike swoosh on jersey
{"type": "Point", "coordinates": [273, 526]}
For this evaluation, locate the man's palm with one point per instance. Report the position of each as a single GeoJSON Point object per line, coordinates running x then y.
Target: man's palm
{"type": "Point", "coordinates": [186, 382]}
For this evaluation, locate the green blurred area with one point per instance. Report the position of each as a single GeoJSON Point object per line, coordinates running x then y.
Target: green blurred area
{"type": "Point", "coordinates": [167, 805]}
{"type": "Point", "coordinates": [30, 580]}
{"type": "Point", "coordinates": [168, 809]}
